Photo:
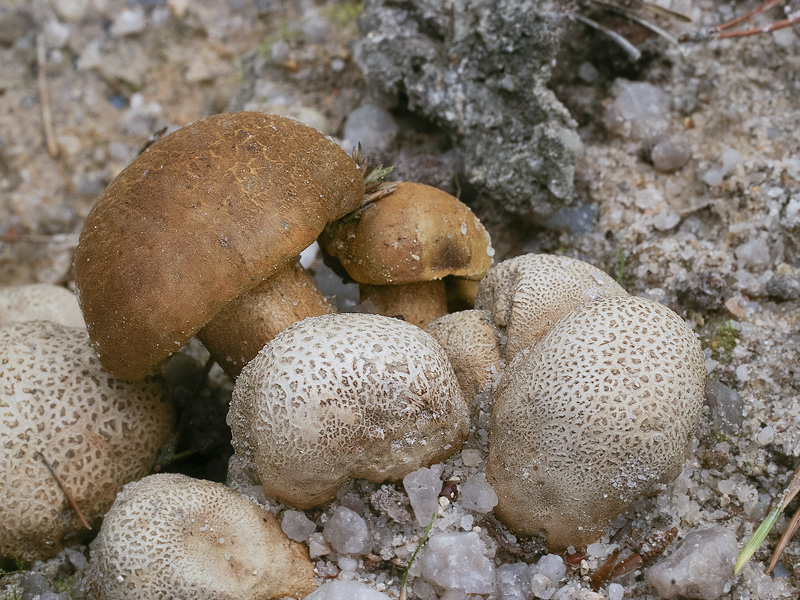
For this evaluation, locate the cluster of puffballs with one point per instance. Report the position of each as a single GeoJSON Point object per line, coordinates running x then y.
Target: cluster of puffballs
{"type": "Point", "coordinates": [594, 394]}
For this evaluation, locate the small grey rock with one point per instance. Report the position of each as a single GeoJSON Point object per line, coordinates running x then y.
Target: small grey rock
{"type": "Point", "coordinates": [670, 154]}
{"type": "Point", "coordinates": [33, 585]}
{"type": "Point", "coordinates": [372, 127]}
{"type": "Point", "coordinates": [784, 287]}
{"type": "Point", "coordinates": [726, 407]}
{"type": "Point", "coordinates": [700, 566]}
{"type": "Point", "coordinates": [639, 112]}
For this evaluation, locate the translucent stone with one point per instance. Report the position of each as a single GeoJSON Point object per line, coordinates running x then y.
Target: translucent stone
{"type": "Point", "coordinates": [477, 494]}
{"type": "Point", "coordinates": [699, 567]}
{"type": "Point", "coordinates": [542, 587]}
{"type": "Point", "coordinates": [423, 487]}
{"type": "Point", "coordinates": [347, 532]}
{"type": "Point", "coordinates": [458, 561]}
{"type": "Point", "coordinates": [345, 590]}
{"type": "Point", "coordinates": [455, 595]}
{"type": "Point", "coordinates": [297, 525]}
{"type": "Point", "coordinates": [615, 591]}
{"type": "Point", "coordinates": [670, 154]}
{"type": "Point", "coordinates": [317, 546]}
{"type": "Point", "coordinates": [514, 581]}
{"type": "Point", "coordinates": [347, 563]}
{"type": "Point", "coordinates": [552, 566]}
{"type": "Point", "coordinates": [639, 112]}
{"type": "Point", "coordinates": [471, 457]}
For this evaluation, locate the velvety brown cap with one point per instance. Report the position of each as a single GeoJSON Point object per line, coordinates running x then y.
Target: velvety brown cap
{"type": "Point", "coordinates": [417, 233]}
{"type": "Point", "coordinates": [203, 215]}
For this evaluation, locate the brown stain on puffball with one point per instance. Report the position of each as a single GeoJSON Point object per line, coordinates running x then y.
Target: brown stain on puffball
{"type": "Point", "coordinates": [345, 395]}
{"type": "Point", "coordinates": [594, 416]}
{"type": "Point", "coordinates": [98, 432]}
{"type": "Point", "coordinates": [171, 536]}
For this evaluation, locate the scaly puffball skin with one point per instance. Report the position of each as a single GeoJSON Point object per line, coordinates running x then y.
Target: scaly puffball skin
{"type": "Point", "coordinates": [345, 395]}
{"type": "Point", "coordinates": [473, 345]}
{"type": "Point", "coordinates": [172, 536]}
{"type": "Point", "coordinates": [98, 433]}
{"type": "Point", "coordinates": [593, 417]}
{"type": "Point", "coordinates": [527, 294]}
{"type": "Point", "coordinates": [39, 302]}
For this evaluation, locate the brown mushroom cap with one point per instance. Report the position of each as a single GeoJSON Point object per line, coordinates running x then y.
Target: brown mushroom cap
{"type": "Point", "coordinates": [202, 216]}
{"type": "Point", "coordinates": [416, 233]}
{"type": "Point", "coordinates": [171, 536]}
{"type": "Point", "coordinates": [345, 395]}
{"type": "Point", "coordinates": [39, 302]}
{"type": "Point", "coordinates": [96, 431]}
{"type": "Point", "coordinates": [594, 416]}
{"type": "Point", "coordinates": [527, 294]}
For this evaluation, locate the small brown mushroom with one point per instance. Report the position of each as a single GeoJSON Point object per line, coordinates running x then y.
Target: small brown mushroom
{"type": "Point", "coordinates": [97, 432]}
{"type": "Point", "coordinates": [592, 417]}
{"type": "Point", "coordinates": [171, 536]}
{"type": "Point", "coordinates": [39, 302]}
{"type": "Point", "coordinates": [527, 294]}
{"type": "Point", "coordinates": [400, 247]}
{"type": "Point", "coordinates": [341, 396]}
{"type": "Point", "coordinates": [201, 217]}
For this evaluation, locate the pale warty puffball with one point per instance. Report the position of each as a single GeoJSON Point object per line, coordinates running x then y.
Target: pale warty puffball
{"type": "Point", "coordinates": [172, 536]}
{"type": "Point", "coordinates": [341, 396]}
{"type": "Point", "coordinates": [594, 416]}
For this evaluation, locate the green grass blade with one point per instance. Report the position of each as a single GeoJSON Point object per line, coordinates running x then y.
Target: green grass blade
{"type": "Point", "coordinates": [757, 538]}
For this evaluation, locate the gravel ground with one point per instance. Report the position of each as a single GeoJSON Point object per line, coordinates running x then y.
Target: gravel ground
{"type": "Point", "coordinates": [702, 214]}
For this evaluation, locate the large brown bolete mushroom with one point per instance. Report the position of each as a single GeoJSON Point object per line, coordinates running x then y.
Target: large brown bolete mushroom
{"type": "Point", "coordinates": [201, 217]}
{"type": "Point", "coordinates": [97, 432]}
{"type": "Point", "coordinates": [400, 247]}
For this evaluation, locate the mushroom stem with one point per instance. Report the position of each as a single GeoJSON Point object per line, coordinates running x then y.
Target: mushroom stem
{"type": "Point", "coordinates": [239, 331]}
{"type": "Point", "coordinates": [418, 303]}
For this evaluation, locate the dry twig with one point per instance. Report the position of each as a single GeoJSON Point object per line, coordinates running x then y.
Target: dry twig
{"type": "Point", "coordinates": [44, 96]}
{"type": "Point", "coordinates": [65, 489]}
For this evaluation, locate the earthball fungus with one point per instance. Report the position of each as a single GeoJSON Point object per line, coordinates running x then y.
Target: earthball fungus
{"type": "Point", "coordinates": [202, 216]}
{"type": "Point", "coordinates": [341, 396]}
{"type": "Point", "coordinates": [400, 247]}
{"type": "Point", "coordinates": [58, 406]}
{"type": "Point", "coordinates": [527, 294]}
{"type": "Point", "coordinates": [171, 536]}
{"type": "Point", "coordinates": [592, 417]}
{"type": "Point", "coordinates": [39, 302]}
{"type": "Point", "coordinates": [473, 345]}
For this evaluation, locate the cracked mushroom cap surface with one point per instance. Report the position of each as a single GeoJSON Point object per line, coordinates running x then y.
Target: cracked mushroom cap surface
{"type": "Point", "coordinates": [39, 302]}
{"type": "Point", "coordinates": [172, 536]}
{"type": "Point", "coordinates": [601, 410]}
{"type": "Point", "coordinates": [341, 396]}
{"type": "Point", "coordinates": [416, 233]}
{"type": "Point", "coordinates": [527, 294]}
{"type": "Point", "coordinates": [203, 215]}
{"type": "Point", "coordinates": [97, 432]}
